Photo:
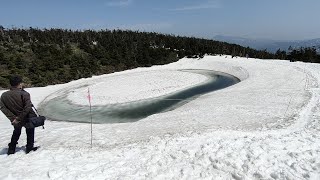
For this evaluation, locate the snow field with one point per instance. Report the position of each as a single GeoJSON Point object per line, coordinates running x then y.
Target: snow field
{"type": "Point", "coordinates": [266, 127]}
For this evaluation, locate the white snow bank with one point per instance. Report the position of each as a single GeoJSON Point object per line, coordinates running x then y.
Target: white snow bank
{"type": "Point", "coordinates": [135, 86]}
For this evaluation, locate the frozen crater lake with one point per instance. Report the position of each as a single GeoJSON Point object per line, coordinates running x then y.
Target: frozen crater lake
{"type": "Point", "coordinates": [67, 107]}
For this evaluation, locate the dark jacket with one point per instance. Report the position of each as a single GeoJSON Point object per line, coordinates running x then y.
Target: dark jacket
{"type": "Point", "coordinates": [16, 104]}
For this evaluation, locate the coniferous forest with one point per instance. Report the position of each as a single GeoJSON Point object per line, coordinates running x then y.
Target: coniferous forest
{"type": "Point", "coordinates": [51, 56]}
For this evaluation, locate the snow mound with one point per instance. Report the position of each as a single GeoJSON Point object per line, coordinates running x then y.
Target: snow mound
{"type": "Point", "coordinates": [135, 86]}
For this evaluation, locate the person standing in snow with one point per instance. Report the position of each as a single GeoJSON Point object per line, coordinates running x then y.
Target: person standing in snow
{"type": "Point", "coordinates": [17, 107]}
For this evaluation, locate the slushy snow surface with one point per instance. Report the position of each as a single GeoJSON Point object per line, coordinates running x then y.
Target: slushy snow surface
{"type": "Point", "coordinates": [265, 127]}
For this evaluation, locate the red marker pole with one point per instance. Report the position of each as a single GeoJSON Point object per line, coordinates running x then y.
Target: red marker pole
{"type": "Point", "coordinates": [89, 98]}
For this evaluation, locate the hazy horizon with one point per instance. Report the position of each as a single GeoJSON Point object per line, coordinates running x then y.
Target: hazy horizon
{"type": "Point", "coordinates": [285, 20]}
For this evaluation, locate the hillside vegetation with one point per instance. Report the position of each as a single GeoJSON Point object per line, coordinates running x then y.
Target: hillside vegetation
{"type": "Point", "coordinates": [51, 56]}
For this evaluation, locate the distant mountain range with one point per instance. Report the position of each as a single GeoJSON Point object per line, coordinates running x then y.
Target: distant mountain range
{"type": "Point", "coordinates": [270, 45]}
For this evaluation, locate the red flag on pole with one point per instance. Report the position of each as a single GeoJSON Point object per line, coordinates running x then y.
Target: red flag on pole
{"type": "Point", "coordinates": [89, 96]}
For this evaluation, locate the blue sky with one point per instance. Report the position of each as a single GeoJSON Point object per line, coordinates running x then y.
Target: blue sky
{"type": "Point", "coordinates": [270, 19]}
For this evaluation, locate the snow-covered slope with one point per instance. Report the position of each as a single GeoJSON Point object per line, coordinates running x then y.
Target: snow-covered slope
{"type": "Point", "coordinates": [265, 127]}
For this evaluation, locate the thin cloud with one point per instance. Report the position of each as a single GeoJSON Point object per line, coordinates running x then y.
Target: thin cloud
{"type": "Point", "coordinates": [206, 5]}
{"type": "Point", "coordinates": [119, 3]}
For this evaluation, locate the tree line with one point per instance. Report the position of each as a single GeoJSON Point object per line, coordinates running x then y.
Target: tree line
{"type": "Point", "coordinates": [52, 56]}
{"type": "Point", "coordinates": [304, 54]}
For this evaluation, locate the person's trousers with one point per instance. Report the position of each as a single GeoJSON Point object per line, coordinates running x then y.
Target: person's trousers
{"type": "Point", "coordinates": [16, 135]}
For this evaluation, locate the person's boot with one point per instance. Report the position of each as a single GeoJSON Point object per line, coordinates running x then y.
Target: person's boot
{"type": "Point", "coordinates": [29, 149]}
{"type": "Point", "coordinates": [12, 148]}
